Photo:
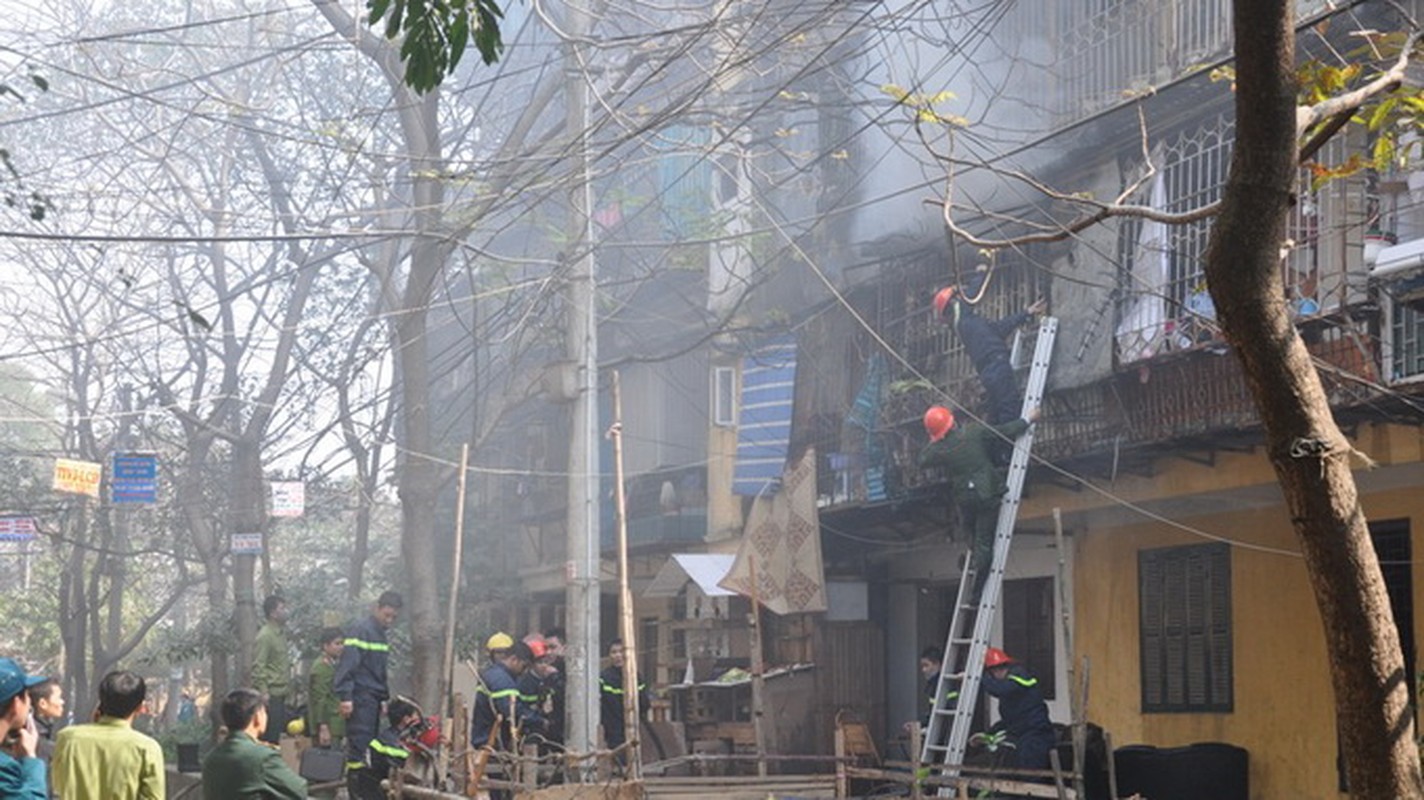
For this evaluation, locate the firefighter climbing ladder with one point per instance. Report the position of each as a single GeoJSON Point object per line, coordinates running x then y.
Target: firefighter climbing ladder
{"type": "Point", "coordinates": [972, 622]}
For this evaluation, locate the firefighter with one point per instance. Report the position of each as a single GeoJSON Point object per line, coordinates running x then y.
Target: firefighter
{"type": "Point", "coordinates": [931, 665]}
{"type": "Point", "coordinates": [975, 482]}
{"type": "Point", "coordinates": [610, 690]}
{"type": "Point", "coordinates": [984, 342]}
{"type": "Point", "coordinates": [1023, 714]}
{"type": "Point", "coordinates": [387, 753]}
{"type": "Point", "coordinates": [360, 680]}
{"type": "Point", "coordinates": [498, 708]}
{"type": "Point", "coordinates": [537, 683]}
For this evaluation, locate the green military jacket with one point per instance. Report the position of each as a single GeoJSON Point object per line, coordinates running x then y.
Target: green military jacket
{"type": "Point", "coordinates": [271, 662]}
{"type": "Point", "coordinates": [242, 769]}
{"type": "Point", "coordinates": [967, 456]}
{"type": "Point", "coordinates": [322, 703]}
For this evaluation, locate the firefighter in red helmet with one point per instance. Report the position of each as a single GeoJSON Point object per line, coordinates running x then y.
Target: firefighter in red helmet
{"type": "Point", "coordinates": [984, 342]}
{"type": "Point", "coordinates": [976, 483]}
{"type": "Point", "coordinates": [1023, 714]}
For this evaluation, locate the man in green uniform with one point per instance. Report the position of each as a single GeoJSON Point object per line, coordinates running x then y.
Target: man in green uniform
{"type": "Point", "coordinates": [324, 720]}
{"type": "Point", "coordinates": [975, 483]}
{"type": "Point", "coordinates": [107, 759]}
{"type": "Point", "coordinates": [272, 666]}
{"type": "Point", "coordinates": [241, 767]}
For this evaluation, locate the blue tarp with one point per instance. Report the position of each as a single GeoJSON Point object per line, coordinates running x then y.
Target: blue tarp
{"type": "Point", "coordinates": [764, 422]}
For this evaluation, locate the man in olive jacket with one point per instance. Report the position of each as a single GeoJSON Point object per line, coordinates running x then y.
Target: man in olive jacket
{"type": "Point", "coordinates": [976, 484]}
{"type": "Point", "coordinates": [241, 767]}
{"type": "Point", "coordinates": [272, 665]}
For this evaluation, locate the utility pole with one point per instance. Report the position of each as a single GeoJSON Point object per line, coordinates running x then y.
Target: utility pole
{"type": "Point", "coordinates": [582, 571]}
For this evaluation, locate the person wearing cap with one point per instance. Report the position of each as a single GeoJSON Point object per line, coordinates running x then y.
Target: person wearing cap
{"type": "Point", "coordinates": [975, 482]}
{"type": "Point", "coordinates": [610, 692]}
{"type": "Point", "coordinates": [107, 759]}
{"type": "Point", "coordinates": [241, 767]}
{"type": "Point", "coordinates": [324, 720]}
{"type": "Point", "coordinates": [360, 678]}
{"type": "Point", "coordinates": [272, 665]}
{"type": "Point", "coordinates": [985, 343]}
{"type": "Point", "coordinates": [498, 708]}
{"type": "Point", "coordinates": [22, 773]}
{"type": "Point", "coordinates": [1023, 714]}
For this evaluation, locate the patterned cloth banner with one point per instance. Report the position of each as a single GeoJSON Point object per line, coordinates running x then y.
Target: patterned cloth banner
{"type": "Point", "coordinates": [134, 479]}
{"type": "Point", "coordinates": [79, 477]}
{"type": "Point", "coordinates": [783, 538]}
{"type": "Point", "coordinates": [17, 528]}
{"type": "Point", "coordinates": [289, 498]}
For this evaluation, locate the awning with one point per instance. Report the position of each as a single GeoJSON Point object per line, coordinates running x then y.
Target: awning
{"type": "Point", "coordinates": [704, 569]}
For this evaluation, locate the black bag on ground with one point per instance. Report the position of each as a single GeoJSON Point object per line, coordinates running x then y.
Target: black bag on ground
{"type": "Point", "coordinates": [322, 764]}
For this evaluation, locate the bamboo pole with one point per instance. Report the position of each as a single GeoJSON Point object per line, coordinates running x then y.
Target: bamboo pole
{"type": "Point", "coordinates": [758, 671]}
{"type": "Point", "coordinates": [632, 729]}
{"type": "Point", "coordinates": [1077, 701]}
{"type": "Point", "coordinates": [447, 676]}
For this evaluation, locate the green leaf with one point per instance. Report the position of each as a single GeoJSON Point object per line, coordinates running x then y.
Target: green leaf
{"type": "Point", "coordinates": [1381, 113]}
{"type": "Point", "coordinates": [378, 9]}
{"type": "Point", "coordinates": [459, 37]}
{"type": "Point", "coordinates": [393, 25]}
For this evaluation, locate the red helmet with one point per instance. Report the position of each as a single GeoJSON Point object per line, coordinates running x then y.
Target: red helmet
{"type": "Point", "coordinates": [938, 422]}
{"type": "Point", "coordinates": [942, 298]}
{"type": "Point", "coordinates": [994, 657]}
{"type": "Point", "coordinates": [538, 648]}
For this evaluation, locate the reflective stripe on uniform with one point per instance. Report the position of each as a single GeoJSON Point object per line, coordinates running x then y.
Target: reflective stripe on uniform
{"type": "Point", "coordinates": [1022, 681]}
{"type": "Point", "coordinates": [355, 765]}
{"type": "Point", "coordinates": [499, 695]}
{"type": "Point", "coordinates": [385, 749]}
{"type": "Point", "coordinates": [362, 644]}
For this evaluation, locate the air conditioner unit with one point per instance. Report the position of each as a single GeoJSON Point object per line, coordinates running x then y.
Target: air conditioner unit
{"type": "Point", "coordinates": [1400, 271]}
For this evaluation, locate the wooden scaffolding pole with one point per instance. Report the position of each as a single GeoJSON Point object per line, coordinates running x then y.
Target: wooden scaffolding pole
{"type": "Point", "coordinates": [447, 676]}
{"type": "Point", "coordinates": [758, 671]}
{"type": "Point", "coordinates": [631, 715]}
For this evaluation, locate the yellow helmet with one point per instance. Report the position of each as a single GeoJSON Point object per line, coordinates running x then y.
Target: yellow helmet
{"type": "Point", "coordinates": [499, 641]}
{"type": "Point", "coordinates": [296, 727]}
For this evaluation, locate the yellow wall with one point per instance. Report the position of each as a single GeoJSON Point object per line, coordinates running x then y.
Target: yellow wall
{"type": "Point", "coordinates": [1283, 704]}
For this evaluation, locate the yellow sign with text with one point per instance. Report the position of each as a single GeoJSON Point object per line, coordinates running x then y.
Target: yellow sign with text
{"type": "Point", "coordinates": [79, 477]}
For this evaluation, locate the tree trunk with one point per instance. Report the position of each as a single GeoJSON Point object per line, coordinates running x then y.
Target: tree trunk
{"type": "Point", "coordinates": [1310, 455]}
{"type": "Point", "coordinates": [247, 517]}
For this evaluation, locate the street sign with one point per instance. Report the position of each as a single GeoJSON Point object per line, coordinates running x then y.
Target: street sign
{"type": "Point", "coordinates": [78, 477]}
{"type": "Point", "coordinates": [134, 480]}
{"type": "Point", "coordinates": [17, 528]}
{"type": "Point", "coordinates": [288, 498]}
{"type": "Point", "coordinates": [246, 544]}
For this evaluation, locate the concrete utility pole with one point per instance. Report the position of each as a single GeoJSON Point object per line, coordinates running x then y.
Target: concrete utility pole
{"type": "Point", "coordinates": [582, 339]}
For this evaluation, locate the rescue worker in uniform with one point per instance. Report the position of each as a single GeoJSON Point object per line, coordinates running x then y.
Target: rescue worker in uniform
{"type": "Point", "coordinates": [498, 708]}
{"type": "Point", "coordinates": [536, 684]}
{"type": "Point", "coordinates": [1023, 714]}
{"type": "Point", "coordinates": [931, 663]}
{"type": "Point", "coordinates": [387, 752]}
{"type": "Point", "coordinates": [360, 680]}
{"type": "Point", "coordinates": [984, 342]}
{"type": "Point", "coordinates": [975, 482]}
{"type": "Point", "coordinates": [610, 691]}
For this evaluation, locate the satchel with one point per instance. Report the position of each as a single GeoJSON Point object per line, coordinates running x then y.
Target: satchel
{"type": "Point", "coordinates": [322, 764]}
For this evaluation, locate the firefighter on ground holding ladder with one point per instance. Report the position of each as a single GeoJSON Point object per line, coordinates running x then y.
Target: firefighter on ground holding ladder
{"type": "Point", "coordinates": [975, 482]}
{"type": "Point", "coordinates": [1023, 714]}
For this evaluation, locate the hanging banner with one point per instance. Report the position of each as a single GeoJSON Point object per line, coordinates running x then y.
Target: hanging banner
{"type": "Point", "coordinates": [79, 477]}
{"type": "Point", "coordinates": [289, 498]}
{"type": "Point", "coordinates": [134, 479]}
{"type": "Point", "coordinates": [17, 528]}
{"type": "Point", "coordinates": [246, 544]}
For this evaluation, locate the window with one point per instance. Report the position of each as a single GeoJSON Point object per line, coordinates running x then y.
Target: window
{"type": "Point", "coordinates": [1404, 343]}
{"type": "Point", "coordinates": [1028, 628]}
{"type": "Point", "coordinates": [1184, 602]}
{"type": "Point", "coordinates": [724, 396]}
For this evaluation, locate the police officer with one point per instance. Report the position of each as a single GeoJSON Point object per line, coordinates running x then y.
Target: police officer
{"type": "Point", "coordinates": [360, 680]}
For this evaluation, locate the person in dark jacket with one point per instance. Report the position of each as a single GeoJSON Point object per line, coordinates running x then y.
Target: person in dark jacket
{"type": "Point", "coordinates": [22, 773]}
{"type": "Point", "coordinates": [610, 692]}
{"type": "Point", "coordinates": [47, 700]}
{"type": "Point", "coordinates": [1023, 714]}
{"type": "Point", "coordinates": [498, 710]}
{"type": "Point", "coordinates": [360, 678]}
{"type": "Point", "coordinates": [931, 665]}
{"type": "Point", "coordinates": [241, 767]}
{"type": "Point", "coordinates": [985, 342]}
{"type": "Point", "coordinates": [536, 684]}
{"type": "Point", "coordinates": [975, 482]}
{"type": "Point", "coordinates": [387, 752]}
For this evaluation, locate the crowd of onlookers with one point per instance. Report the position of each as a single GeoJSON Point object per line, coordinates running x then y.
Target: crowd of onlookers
{"type": "Point", "coordinates": [347, 708]}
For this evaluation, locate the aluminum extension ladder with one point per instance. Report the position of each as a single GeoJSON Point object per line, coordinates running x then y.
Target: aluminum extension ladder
{"type": "Point", "coordinates": [962, 667]}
